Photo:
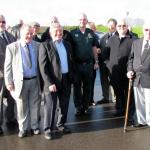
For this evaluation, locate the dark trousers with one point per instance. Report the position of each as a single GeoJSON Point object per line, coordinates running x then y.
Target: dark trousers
{"type": "Point", "coordinates": [121, 97]}
{"type": "Point", "coordinates": [62, 96]}
{"type": "Point", "coordinates": [10, 109]}
{"type": "Point", "coordinates": [1, 103]}
{"type": "Point", "coordinates": [104, 77]}
{"type": "Point", "coordinates": [92, 87]}
{"type": "Point", "coordinates": [121, 101]}
{"type": "Point", "coordinates": [82, 86]}
{"type": "Point", "coordinates": [9, 112]}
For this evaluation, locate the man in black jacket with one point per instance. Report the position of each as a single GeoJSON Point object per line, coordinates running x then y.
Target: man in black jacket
{"type": "Point", "coordinates": [55, 62]}
{"type": "Point", "coordinates": [116, 55]}
{"type": "Point", "coordinates": [104, 72]}
{"type": "Point", "coordinates": [5, 39]}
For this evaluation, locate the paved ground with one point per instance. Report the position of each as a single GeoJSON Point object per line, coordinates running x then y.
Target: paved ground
{"type": "Point", "coordinates": [99, 130]}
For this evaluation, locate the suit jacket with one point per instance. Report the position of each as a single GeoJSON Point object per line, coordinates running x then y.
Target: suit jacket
{"type": "Point", "coordinates": [13, 68]}
{"type": "Point", "coordinates": [103, 42]}
{"type": "Point", "coordinates": [49, 63]}
{"type": "Point", "coordinates": [116, 54]}
{"type": "Point", "coordinates": [15, 31]}
{"type": "Point", "coordinates": [140, 64]}
{"type": "Point", "coordinates": [2, 53]}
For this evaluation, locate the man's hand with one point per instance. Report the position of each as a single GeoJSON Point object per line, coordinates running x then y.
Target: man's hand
{"type": "Point", "coordinates": [52, 88]}
{"type": "Point", "coordinates": [10, 87]}
{"type": "Point", "coordinates": [96, 66]}
{"type": "Point", "coordinates": [98, 50]}
{"type": "Point", "coordinates": [130, 74]}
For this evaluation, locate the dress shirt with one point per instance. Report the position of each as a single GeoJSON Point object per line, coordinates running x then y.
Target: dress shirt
{"type": "Point", "coordinates": [62, 55]}
{"type": "Point", "coordinates": [28, 72]}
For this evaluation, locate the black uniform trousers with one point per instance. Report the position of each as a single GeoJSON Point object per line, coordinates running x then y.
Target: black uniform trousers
{"type": "Point", "coordinates": [83, 85]}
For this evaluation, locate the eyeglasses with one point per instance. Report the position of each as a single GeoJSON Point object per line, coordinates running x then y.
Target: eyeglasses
{"type": "Point", "coordinates": [146, 30]}
{"type": "Point", "coordinates": [123, 26]}
{"type": "Point", "coordinates": [83, 19]}
{"type": "Point", "coordinates": [3, 22]}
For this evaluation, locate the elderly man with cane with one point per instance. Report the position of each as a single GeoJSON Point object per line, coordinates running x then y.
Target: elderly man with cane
{"type": "Point", "coordinates": [139, 71]}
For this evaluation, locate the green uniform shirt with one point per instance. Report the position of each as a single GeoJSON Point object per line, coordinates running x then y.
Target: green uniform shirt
{"type": "Point", "coordinates": [83, 44]}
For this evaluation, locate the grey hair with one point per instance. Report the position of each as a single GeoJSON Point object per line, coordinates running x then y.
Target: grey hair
{"type": "Point", "coordinates": [55, 26]}
{"type": "Point", "coordinates": [24, 27]}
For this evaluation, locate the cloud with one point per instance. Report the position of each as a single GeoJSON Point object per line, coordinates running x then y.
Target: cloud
{"type": "Point", "coordinates": [98, 11]}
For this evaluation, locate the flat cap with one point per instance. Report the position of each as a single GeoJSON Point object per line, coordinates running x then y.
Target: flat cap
{"type": "Point", "coordinates": [35, 24]}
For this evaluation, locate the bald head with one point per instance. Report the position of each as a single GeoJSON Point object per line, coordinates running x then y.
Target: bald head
{"type": "Point", "coordinates": [122, 27]}
{"type": "Point", "coordinates": [54, 19]}
{"type": "Point", "coordinates": [2, 23]}
{"type": "Point", "coordinates": [91, 25]}
{"type": "Point", "coordinates": [82, 20]}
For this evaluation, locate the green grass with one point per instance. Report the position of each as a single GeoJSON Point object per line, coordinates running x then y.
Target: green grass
{"type": "Point", "coordinates": [138, 30]}
{"type": "Point", "coordinates": [101, 28]}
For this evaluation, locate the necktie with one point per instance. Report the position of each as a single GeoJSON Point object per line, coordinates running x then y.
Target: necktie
{"type": "Point", "coordinates": [146, 46]}
{"type": "Point", "coordinates": [28, 56]}
{"type": "Point", "coordinates": [4, 38]}
{"type": "Point", "coordinates": [145, 51]}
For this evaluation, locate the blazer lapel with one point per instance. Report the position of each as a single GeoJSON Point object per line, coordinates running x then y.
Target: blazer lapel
{"type": "Point", "coordinates": [18, 55]}
{"type": "Point", "coordinates": [145, 53]}
{"type": "Point", "coordinates": [54, 49]}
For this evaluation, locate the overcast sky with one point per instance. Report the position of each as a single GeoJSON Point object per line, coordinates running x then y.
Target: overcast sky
{"type": "Point", "coordinates": [67, 11]}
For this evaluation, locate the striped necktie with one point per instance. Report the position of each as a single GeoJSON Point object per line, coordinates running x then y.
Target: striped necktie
{"type": "Point", "coordinates": [5, 39]}
{"type": "Point", "coordinates": [28, 56]}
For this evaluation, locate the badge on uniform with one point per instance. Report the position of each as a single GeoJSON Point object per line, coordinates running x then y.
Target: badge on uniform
{"type": "Point", "coordinates": [89, 36]}
{"type": "Point", "coordinates": [76, 35]}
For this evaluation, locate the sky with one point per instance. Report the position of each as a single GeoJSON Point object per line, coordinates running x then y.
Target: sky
{"type": "Point", "coordinates": [98, 11]}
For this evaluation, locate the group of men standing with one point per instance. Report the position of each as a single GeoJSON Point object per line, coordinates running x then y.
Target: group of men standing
{"type": "Point", "coordinates": [62, 58]}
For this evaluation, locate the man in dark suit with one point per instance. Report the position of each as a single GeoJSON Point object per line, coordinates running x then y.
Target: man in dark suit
{"type": "Point", "coordinates": [36, 29]}
{"type": "Point", "coordinates": [5, 39]}
{"type": "Point", "coordinates": [46, 35]}
{"type": "Point", "coordinates": [92, 26]}
{"type": "Point", "coordinates": [139, 72]}
{"type": "Point", "coordinates": [116, 54]}
{"type": "Point", "coordinates": [56, 71]}
{"type": "Point", "coordinates": [104, 72]}
{"type": "Point", "coordinates": [15, 30]}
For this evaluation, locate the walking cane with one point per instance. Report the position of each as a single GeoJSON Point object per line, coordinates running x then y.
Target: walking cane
{"type": "Point", "coordinates": [1, 106]}
{"type": "Point", "coordinates": [127, 107]}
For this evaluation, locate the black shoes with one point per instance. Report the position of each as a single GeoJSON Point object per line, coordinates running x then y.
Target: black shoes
{"type": "Point", "coordinates": [92, 104]}
{"type": "Point", "coordinates": [102, 101]}
{"type": "Point", "coordinates": [64, 130]}
{"type": "Point", "coordinates": [80, 112]}
{"type": "Point", "coordinates": [140, 125]}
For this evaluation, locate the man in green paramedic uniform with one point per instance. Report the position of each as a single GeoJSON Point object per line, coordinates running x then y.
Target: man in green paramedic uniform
{"type": "Point", "coordinates": [84, 50]}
